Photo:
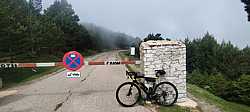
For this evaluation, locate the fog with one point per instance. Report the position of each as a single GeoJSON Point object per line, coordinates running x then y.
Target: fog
{"type": "Point", "coordinates": [225, 19]}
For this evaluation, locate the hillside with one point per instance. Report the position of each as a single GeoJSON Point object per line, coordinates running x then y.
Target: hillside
{"type": "Point", "coordinates": [108, 38]}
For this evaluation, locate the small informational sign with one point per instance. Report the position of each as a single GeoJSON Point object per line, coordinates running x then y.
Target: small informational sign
{"type": "Point", "coordinates": [8, 65]}
{"type": "Point", "coordinates": [132, 51]}
{"type": "Point", "coordinates": [73, 74]}
{"type": "Point", "coordinates": [113, 62]}
{"type": "Point", "coordinates": [73, 60]}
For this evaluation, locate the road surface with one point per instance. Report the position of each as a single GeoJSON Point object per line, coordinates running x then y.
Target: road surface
{"type": "Point", "coordinates": [93, 92]}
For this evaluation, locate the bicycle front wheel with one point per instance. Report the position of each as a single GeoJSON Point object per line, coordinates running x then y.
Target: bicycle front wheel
{"type": "Point", "coordinates": [128, 94]}
{"type": "Point", "coordinates": [166, 93]}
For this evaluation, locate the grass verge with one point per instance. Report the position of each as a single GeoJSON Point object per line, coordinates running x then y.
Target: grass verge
{"type": "Point", "coordinates": [224, 105]}
{"type": "Point", "coordinates": [174, 109]}
{"type": "Point", "coordinates": [15, 76]}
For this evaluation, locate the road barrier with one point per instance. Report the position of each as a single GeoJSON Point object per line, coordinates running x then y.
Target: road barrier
{"type": "Point", "coordinates": [54, 64]}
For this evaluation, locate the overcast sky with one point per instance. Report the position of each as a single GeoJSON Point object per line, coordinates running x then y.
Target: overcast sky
{"type": "Point", "coordinates": [176, 19]}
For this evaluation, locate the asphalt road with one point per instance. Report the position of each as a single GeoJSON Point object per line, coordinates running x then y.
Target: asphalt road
{"type": "Point", "coordinates": [93, 92]}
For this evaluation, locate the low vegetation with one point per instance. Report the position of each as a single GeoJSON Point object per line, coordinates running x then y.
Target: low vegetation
{"type": "Point", "coordinates": [225, 106]}
{"type": "Point", "coordinates": [16, 76]}
{"type": "Point", "coordinates": [175, 109]}
{"type": "Point", "coordinates": [221, 68]}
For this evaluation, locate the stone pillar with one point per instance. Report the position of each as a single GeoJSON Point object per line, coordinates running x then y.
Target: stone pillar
{"type": "Point", "coordinates": [167, 55]}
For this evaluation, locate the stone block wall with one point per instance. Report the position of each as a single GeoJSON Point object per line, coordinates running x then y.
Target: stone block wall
{"type": "Point", "coordinates": [167, 55]}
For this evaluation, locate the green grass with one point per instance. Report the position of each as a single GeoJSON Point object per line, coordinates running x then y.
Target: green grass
{"type": "Point", "coordinates": [224, 105]}
{"type": "Point", "coordinates": [15, 76]}
{"type": "Point", "coordinates": [174, 109]}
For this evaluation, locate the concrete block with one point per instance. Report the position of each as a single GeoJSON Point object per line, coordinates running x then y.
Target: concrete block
{"type": "Point", "coordinates": [171, 55]}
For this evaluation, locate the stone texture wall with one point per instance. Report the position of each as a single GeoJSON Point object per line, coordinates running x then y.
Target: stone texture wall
{"type": "Point", "coordinates": [169, 55]}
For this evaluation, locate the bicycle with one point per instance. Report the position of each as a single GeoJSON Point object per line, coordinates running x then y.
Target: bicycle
{"type": "Point", "coordinates": [164, 93]}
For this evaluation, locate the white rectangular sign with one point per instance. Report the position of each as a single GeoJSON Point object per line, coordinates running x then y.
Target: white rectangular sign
{"type": "Point", "coordinates": [8, 65]}
{"type": "Point", "coordinates": [112, 62]}
{"type": "Point", "coordinates": [132, 51]}
{"type": "Point", "coordinates": [73, 74]}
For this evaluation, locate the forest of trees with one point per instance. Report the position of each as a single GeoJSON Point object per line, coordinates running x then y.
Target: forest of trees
{"type": "Point", "coordinates": [27, 33]}
{"type": "Point", "coordinates": [221, 68]}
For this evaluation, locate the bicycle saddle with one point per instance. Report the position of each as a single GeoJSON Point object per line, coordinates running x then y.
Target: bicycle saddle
{"type": "Point", "coordinates": [159, 73]}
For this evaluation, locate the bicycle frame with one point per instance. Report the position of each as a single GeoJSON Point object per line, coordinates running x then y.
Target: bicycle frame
{"type": "Point", "coordinates": [143, 87]}
{"type": "Point", "coordinates": [150, 92]}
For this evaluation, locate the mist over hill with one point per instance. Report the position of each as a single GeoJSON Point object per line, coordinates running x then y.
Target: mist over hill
{"type": "Point", "coordinates": [108, 39]}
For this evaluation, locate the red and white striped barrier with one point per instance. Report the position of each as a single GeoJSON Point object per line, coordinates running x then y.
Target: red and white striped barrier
{"type": "Point", "coordinates": [53, 64]}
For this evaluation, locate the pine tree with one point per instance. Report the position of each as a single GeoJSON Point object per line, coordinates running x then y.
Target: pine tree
{"type": "Point", "coordinates": [75, 35]}
{"type": "Point", "coordinates": [247, 7]}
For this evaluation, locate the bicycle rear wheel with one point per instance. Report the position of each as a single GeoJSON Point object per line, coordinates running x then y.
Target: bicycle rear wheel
{"type": "Point", "coordinates": [128, 94]}
{"type": "Point", "coordinates": [166, 93]}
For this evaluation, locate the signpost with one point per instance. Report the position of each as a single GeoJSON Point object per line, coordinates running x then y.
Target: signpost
{"type": "Point", "coordinates": [73, 74]}
{"type": "Point", "coordinates": [73, 61]}
{"type": "Point", "coordinates": [132, 51]}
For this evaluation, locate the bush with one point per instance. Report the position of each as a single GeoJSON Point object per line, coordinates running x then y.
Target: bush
{"type": "Point", "coordinates": [241, 90]}
{"type": "Point", "coordinates": [197, 78]}
{"type": "Point", "coordinates": [237, 91]}
{"type": "Point", "coordinates": [218, 85]}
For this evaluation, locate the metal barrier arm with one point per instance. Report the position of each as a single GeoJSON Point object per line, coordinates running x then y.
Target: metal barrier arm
{"type": "Point", "coordinates": [53, 64]}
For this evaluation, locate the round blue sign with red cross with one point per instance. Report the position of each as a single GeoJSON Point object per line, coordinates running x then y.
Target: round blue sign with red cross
{"type": "Point", "coordinates": [73, 60]}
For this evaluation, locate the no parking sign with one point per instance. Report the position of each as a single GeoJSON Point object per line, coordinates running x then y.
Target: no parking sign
{"type": "Point", "coordinates": [73, 60]}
